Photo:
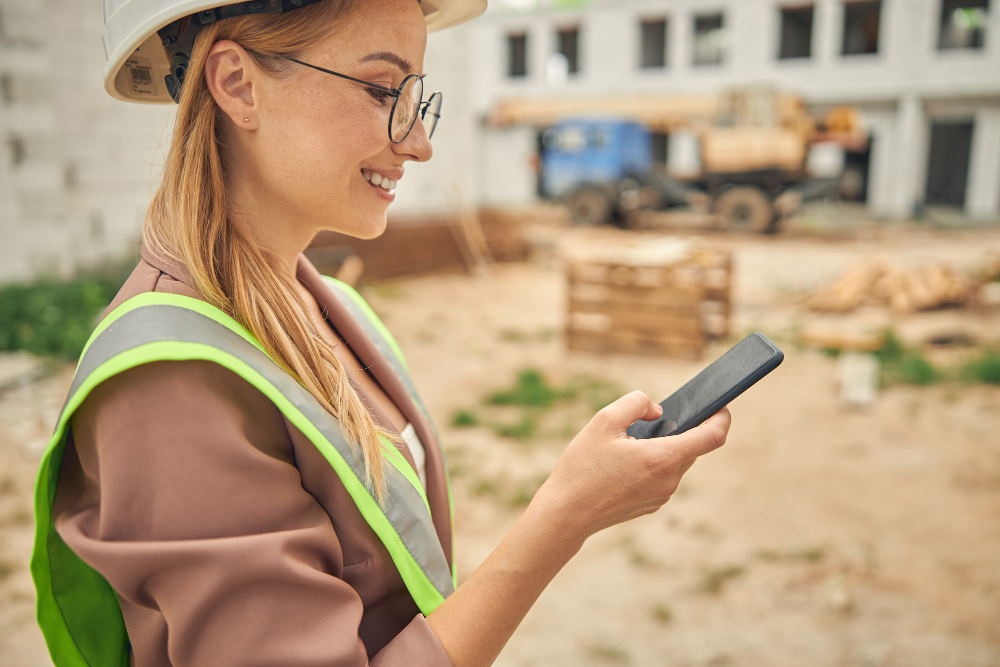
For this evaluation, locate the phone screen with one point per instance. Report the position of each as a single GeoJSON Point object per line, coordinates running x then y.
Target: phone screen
{"type": "Point", "coordinates": [709, 391]}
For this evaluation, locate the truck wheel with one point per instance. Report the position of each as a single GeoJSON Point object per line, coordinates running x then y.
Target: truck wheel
{"type": "Point", "coordinates": [589, 206]}
{"type": "Point", "coordinates": [745, 208]}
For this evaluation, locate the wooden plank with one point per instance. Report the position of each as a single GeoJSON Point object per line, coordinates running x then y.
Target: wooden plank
{"type": "Point", "coordinates": [640, 299]}
{"type": "Point", "coordinates": [625, 317]}
{"type": "Point", "coordinates": [625, 336]}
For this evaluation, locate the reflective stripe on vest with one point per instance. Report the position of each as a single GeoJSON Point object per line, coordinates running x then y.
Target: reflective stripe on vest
{"type": "Point", "coordinates": [77, 609]}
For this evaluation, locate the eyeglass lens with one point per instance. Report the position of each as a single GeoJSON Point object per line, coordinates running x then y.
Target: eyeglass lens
{"type": "Point", "coordinates": [431, 114]}
{"type": "Point", "coordinates": [411, 91]}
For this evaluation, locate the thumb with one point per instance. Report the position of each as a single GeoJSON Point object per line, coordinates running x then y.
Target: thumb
{"type": "Point", "coordinates": [630, 408]}
{"type": "Point", "coordinates": [673, 450]}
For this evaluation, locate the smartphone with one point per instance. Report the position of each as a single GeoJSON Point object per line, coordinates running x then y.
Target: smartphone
{"type": "Point", "coordinates": [712, 389]}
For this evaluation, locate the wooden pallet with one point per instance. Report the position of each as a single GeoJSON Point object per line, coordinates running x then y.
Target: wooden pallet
{"type": "Point", "coordinates": [662, 310]}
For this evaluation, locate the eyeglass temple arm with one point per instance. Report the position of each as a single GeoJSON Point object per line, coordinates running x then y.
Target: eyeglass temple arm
{"type": "Point", "coordinates": [391, 91]}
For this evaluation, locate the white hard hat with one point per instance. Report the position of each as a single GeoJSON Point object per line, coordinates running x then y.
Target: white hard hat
{"type": "Point", "coordinates": [137, 34]}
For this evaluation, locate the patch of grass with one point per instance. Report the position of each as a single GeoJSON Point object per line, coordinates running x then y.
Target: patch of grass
{"type": "Point", "coordinates": [513, 335]}
{"type": "Point", "coordinates": [914, 368]}
{"type": "Point", "coordinates": [530, 389]}
{"type": "Point", "coordinates": [462, 418]}
{"type": "Point", "coordinates": [523, 429]}
{"type": "Point", "coordinates": [985, 368]}
{"type": "Point", "coordinates": [714, 579]}
{"type": "Point", "coordinates": [892, 348]}
{"type": "Point", "coordinates": [832, 352]}
{"type": "Point", "coordinates": [54, 318]}
{"type": "Point", "coordinates": [640, 558]}
{"type": "Point", "coordinates": [597, 392]}
{"type": "Point", "coordinates": [904, 364]}
{"type": "Point", "coordinates": [662, 613]}
{"type": "Point", "coordinates": [608, 652]}
{"type": "Point", "coordinates": [485, 487]}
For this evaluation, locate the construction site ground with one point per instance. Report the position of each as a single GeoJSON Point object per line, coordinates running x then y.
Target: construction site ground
{"type": "Point", "coordinates": [818, 535]}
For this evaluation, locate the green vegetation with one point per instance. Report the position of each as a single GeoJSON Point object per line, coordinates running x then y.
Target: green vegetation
{"type": "Point", "coordinates": [532, 394]}
{"type": "Point", "coordinates": [608, 652]}
{"type": "Point", "coordinates": [985, 368]}
{"type": "Point", "coordinates": [714, 579]}
{"type": "Point", "coordinates": [485, 487]}
{"type": "Point", "coordinates": [596, 392]}
{"type": "Point", "coordinates": [523, 429]}
{"type": "Point", "coordinates": [902, 364]}
{"type": "Point", "coordinates": [462, 418]}
{"type": "Point", "coordinates": [662, 613]}
{"type": "Point", "coordinates": [52, 317]}
{"type": "Point", "coordinates": [531, 389]}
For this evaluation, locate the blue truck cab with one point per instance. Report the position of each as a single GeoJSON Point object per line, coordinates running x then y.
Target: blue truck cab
{"type": "Point", "coordinates": [579, 151]}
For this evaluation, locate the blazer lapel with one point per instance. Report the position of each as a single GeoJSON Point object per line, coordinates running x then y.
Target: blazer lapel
{"type": "Point", "coordinates": [363, 346]}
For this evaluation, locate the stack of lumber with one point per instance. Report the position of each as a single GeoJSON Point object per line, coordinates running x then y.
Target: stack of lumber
{"type": "Point", "coordinates": [903, 289]}
{"type": "Point", "coordinates": [648, 307]}
{"type": "Point", "coordinates": [414, 246]}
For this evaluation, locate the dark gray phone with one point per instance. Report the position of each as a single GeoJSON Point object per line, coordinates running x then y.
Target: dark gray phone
{"type": "Point", "coordinates": [712, 389]}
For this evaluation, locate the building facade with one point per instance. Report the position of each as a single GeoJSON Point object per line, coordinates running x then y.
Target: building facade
{"type": "Point", "coordinates": [925, 75]}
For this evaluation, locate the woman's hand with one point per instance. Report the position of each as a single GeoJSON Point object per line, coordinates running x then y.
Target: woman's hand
{"type": "Point", "coordinates": [605, 477]}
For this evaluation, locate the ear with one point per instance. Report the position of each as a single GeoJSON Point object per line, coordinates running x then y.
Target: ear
{"type": "Point", "coordinates": [230, 73]}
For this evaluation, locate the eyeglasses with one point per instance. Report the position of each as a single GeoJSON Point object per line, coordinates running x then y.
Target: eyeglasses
{"type": "Point", "coordinates": [406, 106]}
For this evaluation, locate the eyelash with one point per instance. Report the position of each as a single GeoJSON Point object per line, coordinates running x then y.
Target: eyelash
{"type": "Point", "coordinates": [380, 96]}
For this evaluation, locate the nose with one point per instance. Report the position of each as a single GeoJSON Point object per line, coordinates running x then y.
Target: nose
{"type": "Point", "coordinates": [416, 145]}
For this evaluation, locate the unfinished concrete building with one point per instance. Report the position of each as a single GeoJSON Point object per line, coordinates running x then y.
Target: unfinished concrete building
{"type": "Point", "coordinates": [925, 75]}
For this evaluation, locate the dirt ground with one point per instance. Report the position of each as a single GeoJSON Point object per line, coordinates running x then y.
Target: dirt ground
{"type": "Point", "coordinates": [819, 535]}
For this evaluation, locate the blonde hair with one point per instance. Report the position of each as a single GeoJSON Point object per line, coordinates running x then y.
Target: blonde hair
{"type": "Point", "coordinates": [190, 221]}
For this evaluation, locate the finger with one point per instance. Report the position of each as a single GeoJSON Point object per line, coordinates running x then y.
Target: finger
{"type": "Point", "coordinates": [630, 408]}
{"type": "Point", "coordinates": [711, 434]}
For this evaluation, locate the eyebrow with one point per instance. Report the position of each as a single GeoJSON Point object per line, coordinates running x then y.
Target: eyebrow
{"type": "Point", "coordinates": [403, 64]}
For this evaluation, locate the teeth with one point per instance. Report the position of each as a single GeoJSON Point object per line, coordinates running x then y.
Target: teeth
{"type": "Point", "coordinates": [375, 178]}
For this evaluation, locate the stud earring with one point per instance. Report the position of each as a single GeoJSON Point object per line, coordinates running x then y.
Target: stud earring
{"type": "Point", "coordinates": [246, 120]}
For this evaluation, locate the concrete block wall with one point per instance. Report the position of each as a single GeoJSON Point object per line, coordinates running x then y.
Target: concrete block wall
{"type": "Point", "coordinates": [76, 166]}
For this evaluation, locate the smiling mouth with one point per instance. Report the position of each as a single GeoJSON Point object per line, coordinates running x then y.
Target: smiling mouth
{"type": "Point", "coordinates": [379, 181]}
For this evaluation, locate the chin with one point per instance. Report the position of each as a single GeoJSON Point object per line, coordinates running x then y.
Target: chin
{"type": "Point", "coordinates": [372, 227]}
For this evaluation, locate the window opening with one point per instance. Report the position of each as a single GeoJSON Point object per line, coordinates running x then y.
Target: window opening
{"type": "Point", "coordinates": [709, 40]}
{"type": "Point", "coordinates": [517, 55]}
{"type": "Point", "coordinates": [653, 44]}
{"type": "Point", "coordinates": [963, 24]}
{"type": "Point", "coordinates": [796, 32]}
{"type": "Point", "coordinates": [861, 26]}
{"type": "Point", "coordinates": [568, 43]}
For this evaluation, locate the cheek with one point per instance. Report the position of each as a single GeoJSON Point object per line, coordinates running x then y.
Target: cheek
{"type": "Point", "coordinates": [320, 148]}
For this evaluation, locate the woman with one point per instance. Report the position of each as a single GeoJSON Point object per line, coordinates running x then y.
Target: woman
{"type": "Point", "coordinates": [204, 483]}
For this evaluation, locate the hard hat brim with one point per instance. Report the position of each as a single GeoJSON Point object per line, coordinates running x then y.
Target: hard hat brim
{"type": "Point", "coordinates": [137, 60]}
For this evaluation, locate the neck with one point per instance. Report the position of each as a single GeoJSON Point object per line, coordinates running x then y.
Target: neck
{"type": "Point", "coordinates": [271, 223]}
